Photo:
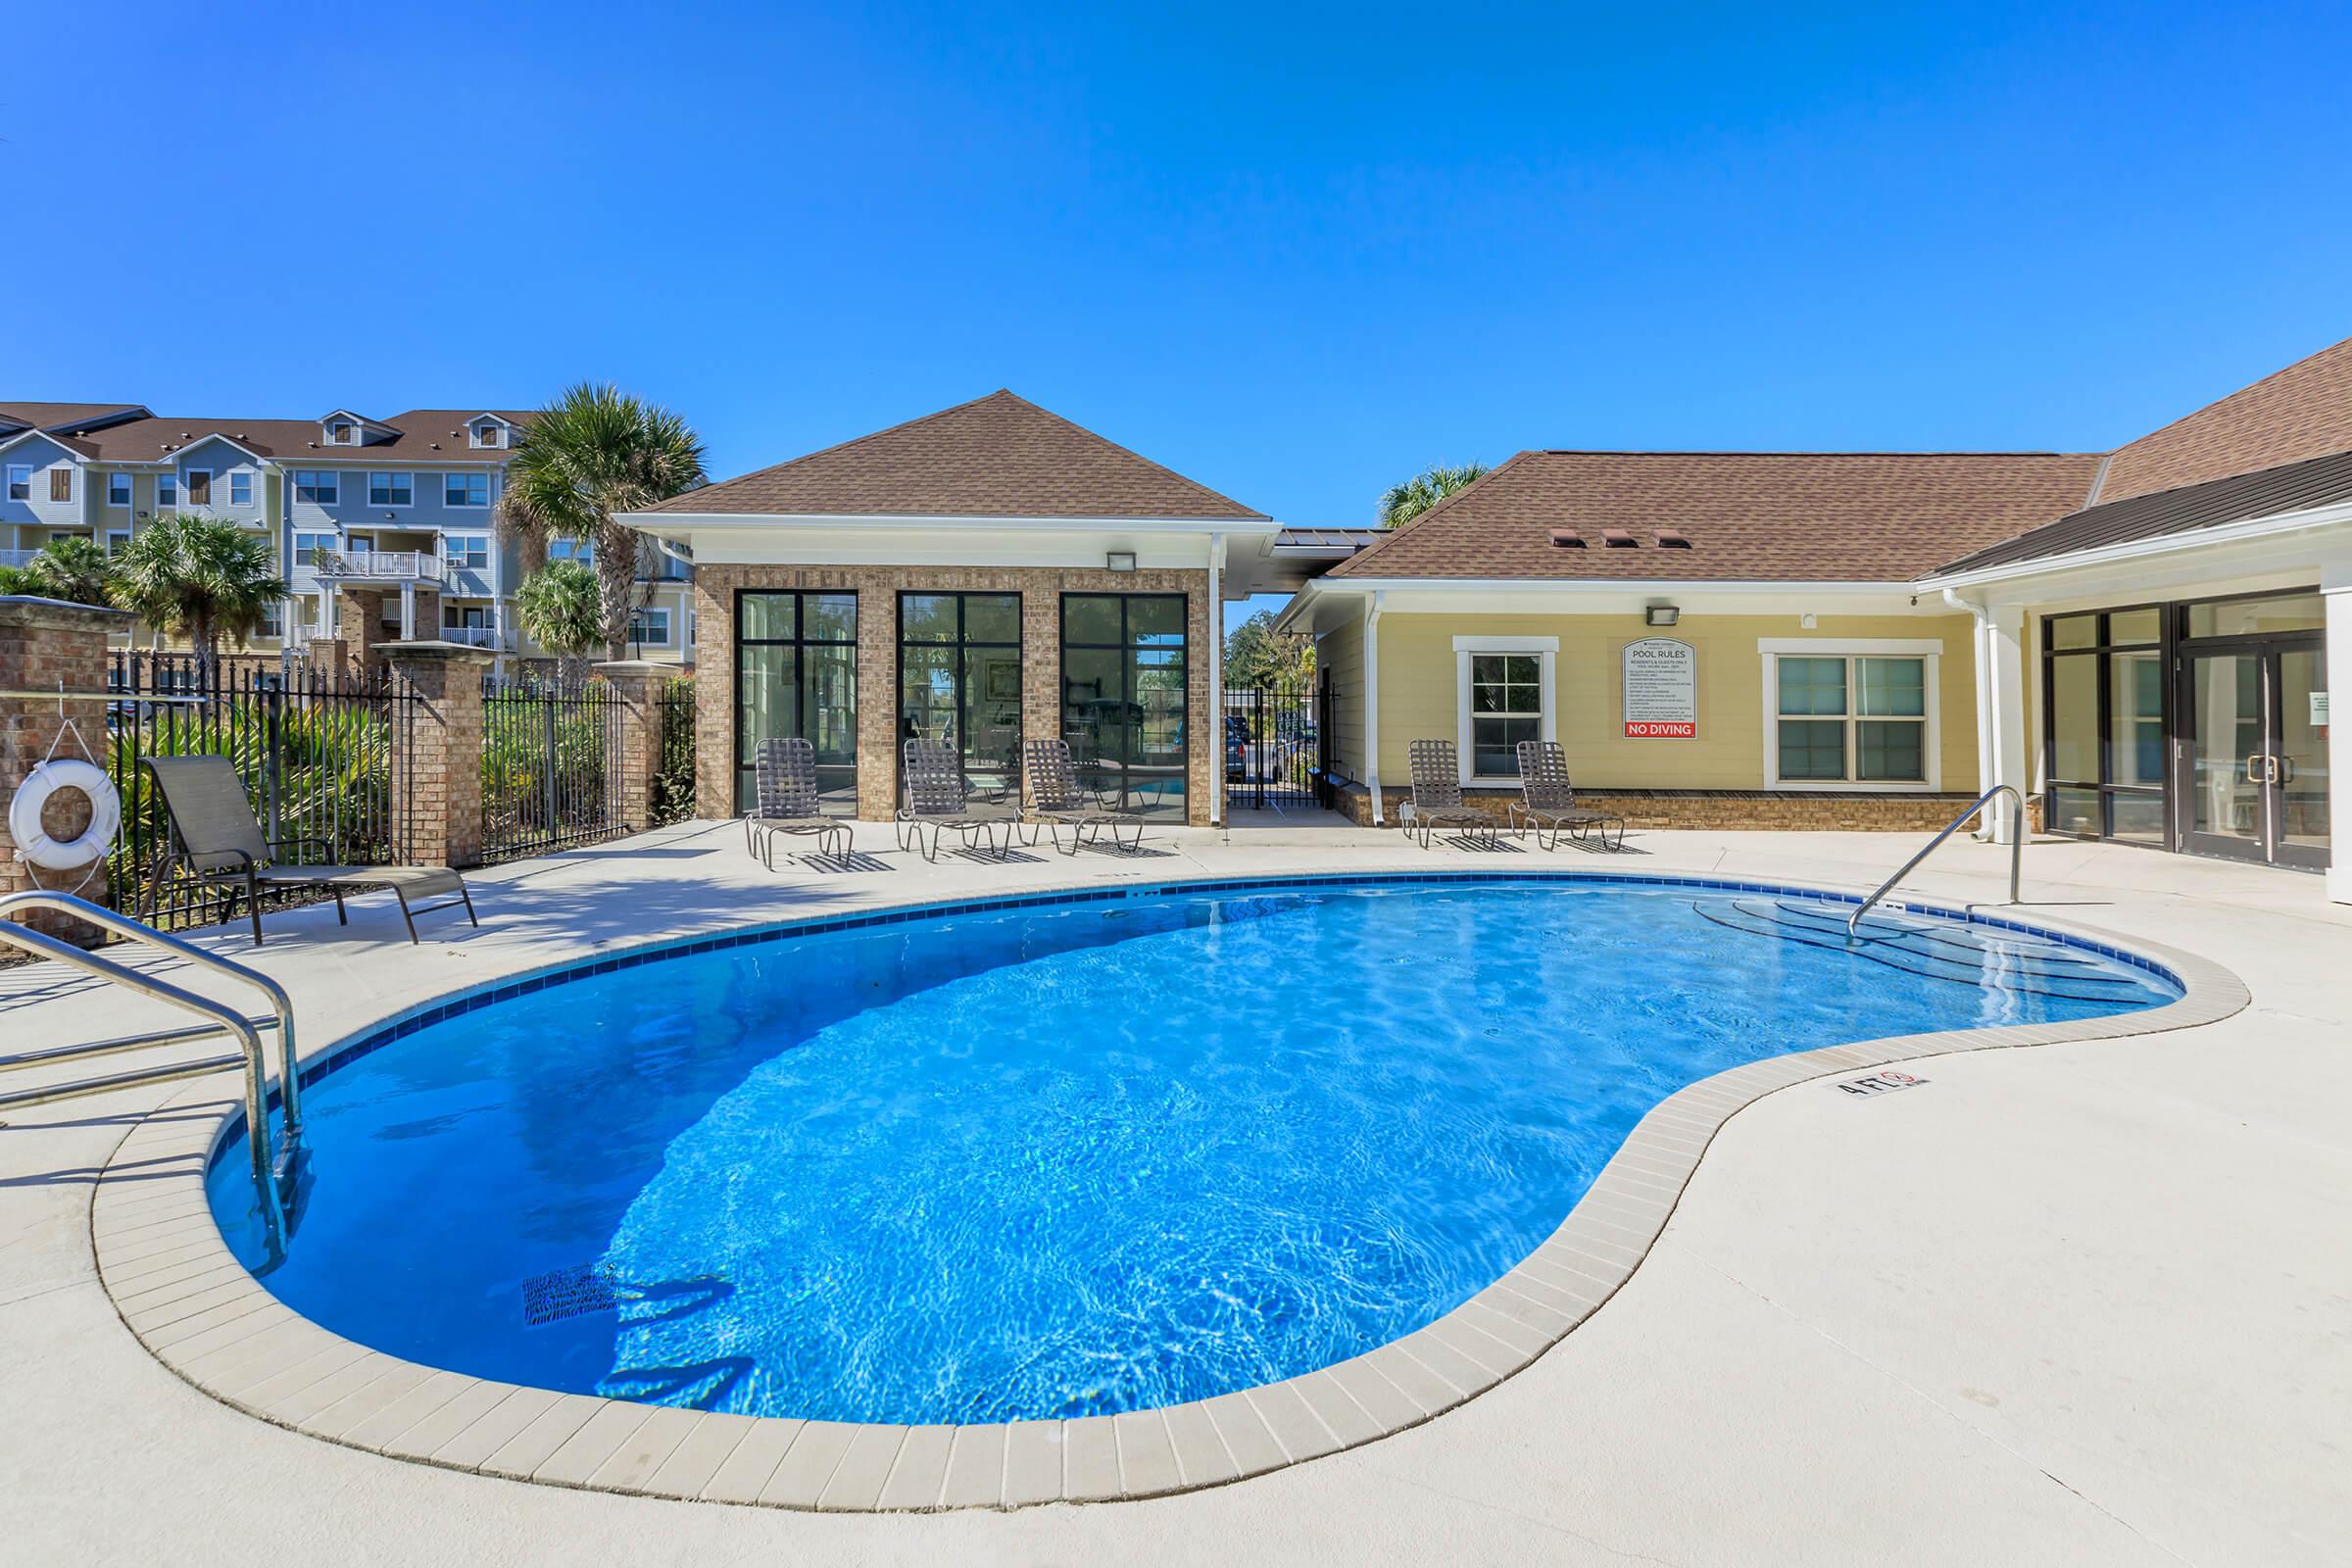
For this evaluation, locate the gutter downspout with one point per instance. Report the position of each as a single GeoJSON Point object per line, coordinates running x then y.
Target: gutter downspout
{"type": "Point", "coordinates": [1372, 608]}
{"type": "Point", "coordinates": [1215, 727]}
{"type": "Point", "coordinates": [1980, 646]}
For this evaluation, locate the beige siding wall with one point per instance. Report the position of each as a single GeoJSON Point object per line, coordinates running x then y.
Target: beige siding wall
{"type": "Point", "coordinates": [1342, 653]}
{"type": "Point", "coordinates": [1418, 685]}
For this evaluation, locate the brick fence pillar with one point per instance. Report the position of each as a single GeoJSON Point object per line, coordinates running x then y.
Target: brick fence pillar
{"type": "Point", "coordinates": [637, 708]}
{"type": "Point", "coordinates": [327, 653]}
{"type": "Point", "coordinates": [437, 751]}
{"type": "Point", "coordinates": [42, 643]}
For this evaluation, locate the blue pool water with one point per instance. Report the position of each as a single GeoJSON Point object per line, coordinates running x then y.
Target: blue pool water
{"type": "Point", "coordinates": [1069, 1158]}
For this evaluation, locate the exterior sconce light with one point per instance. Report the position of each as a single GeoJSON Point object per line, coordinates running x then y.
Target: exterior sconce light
{"type": "Point", "coordinates": [1809, 621]}
{"type": "Point", "coordinates": [1120, 560]}
{"type": "Point", "coordinates": [1662, 615]}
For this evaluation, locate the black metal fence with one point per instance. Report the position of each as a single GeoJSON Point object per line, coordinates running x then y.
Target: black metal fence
{"type": "Point", "coordinates": [1276, 744]}
{"type": "Point", "coordinates": [551, 766]}
{"type": "Point", "coordinates": [317, 750]}
{"type": "Point", "coordinates": [673, 769]}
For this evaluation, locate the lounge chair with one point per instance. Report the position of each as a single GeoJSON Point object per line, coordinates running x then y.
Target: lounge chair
{"type": "Point", "coordinates": [217, 839]}
{"type": "Point", "coordinates": [1057, 801]}
{"type": "Point", "coordinates": [1437, 802]}
{"type": "Point", "coordinates": [1548, 801]}
{"type": "Point", "coordinates": [932, 793]}
{"type": "Point", "coordinates": [785, 802]}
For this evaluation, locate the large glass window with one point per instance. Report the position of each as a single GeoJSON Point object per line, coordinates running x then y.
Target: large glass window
{"type": "Point", "coordinates": [796, 673]}
{"type": "Point", "coordinates": [2103, 732]}
{"type": "Point", "coordinates": [1851, 718]}
{"type": "Point", "coordinates": [1123, 697]}
{"type": "Point", "coordinates": [959, 681]}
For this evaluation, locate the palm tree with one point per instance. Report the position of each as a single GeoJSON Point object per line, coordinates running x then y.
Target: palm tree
{"type": "Point", "coordinates": [73, 568]}
{"type": "Point", "coordinates": [1401, 504]}
{"type": "Point", "coordinates": [199, 577]}
{"type": "Point", "coordinates": [589, 455]}
{"type": "Point", "coordinates": [562, 608]}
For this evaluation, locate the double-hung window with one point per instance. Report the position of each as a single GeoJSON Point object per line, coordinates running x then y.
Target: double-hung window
{"type": "Point", "coordinates": [470, 551]}
{"type": "Point", "coordinates": [61, 483]}
{"type": "Point", "coordinates": [240, 488]}
{"type": "Point", "coordinates": [466, 489]}
{"type": "Point", "coordinates": [118, 489]}
{"type": "Point", "coordinates": [317, 487]}
{"type": "Point", "coordinates": [308, 547]}
{"type": "Point", "coordinates": [391, 489]}
{"type": "Point", "coordinates": [1504, 695]}
{"type": "Point", "coordinates": [650, 626]}
{"type": "Point", "coordinates": [1852, 716]}
{"type": "Point", "coordinates": [198, 482]}
{"type": "Point", "coordinates": [167, 490]}
{"type": "Point", "coordinates": [20, 481]}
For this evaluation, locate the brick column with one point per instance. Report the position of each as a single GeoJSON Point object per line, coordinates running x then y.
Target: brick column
{"type": "Point", "coordinates": [359, 624]}
{"type": "Point", "coordinates": [637, 693]}
{"type": "Point", "coordinates": [878, 744]}
{"type": "Point", "coordinates": [437, 751]}
{"type": "Point", "coordinates": [329, 653]}
{"type": "Point", "coordinates": [44, 642]}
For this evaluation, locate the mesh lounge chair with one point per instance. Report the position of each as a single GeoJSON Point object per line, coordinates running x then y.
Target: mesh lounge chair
{"type": "Point", "coordinates": [215, 839]}
{"type": "Point", "coordinates": [1547, 802]}
{"type": "Point", "coordinates": [786, 802]}
{"type": "Point", "coordinates": [1057, 801]}
{"type": "Point", "coordinates": [1438, 794]}
{"type": "Point", "coordinates": [933, 794]}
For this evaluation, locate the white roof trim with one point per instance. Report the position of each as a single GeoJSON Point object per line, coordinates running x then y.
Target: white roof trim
{"type": "Point", "coordinates": [671, 523]}
{"type": "Point", "coordinates": [2253, 530]}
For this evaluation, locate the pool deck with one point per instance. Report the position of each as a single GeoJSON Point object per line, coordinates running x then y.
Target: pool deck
{"type": "Point", "coordinates": [2083, 1302]}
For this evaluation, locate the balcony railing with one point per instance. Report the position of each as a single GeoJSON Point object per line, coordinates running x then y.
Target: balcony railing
{"type": "Point", "coordinates": [381, 566]}
{"type": "Point", "coordinates": [16, 558]}
{"type": "Point", "coordinates": [471, 636]}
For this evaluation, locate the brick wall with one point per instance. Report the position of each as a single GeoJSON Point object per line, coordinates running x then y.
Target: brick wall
{"type": "Point", "coordinates": [1722, 810]}
{"type": "Point", "coordinates": [877, 588]}
{"type": "Point", "coordinates": [43, 644]}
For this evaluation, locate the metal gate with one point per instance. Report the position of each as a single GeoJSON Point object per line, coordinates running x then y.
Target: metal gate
{"type": "Point", "coordinates": [1276, 745]}
{"type": "Point", "coordinates": [550, 766]}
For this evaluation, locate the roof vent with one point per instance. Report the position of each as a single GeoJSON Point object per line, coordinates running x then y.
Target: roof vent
{"type": "Point", "coordinates": [1671, 539]}
{"type": "Point", "coordinates": [1618, 539]}
{"type": "Point", "coordinates": [1567, 539]}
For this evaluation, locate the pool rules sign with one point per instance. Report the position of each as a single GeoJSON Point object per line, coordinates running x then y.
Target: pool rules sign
{"type": "Point", "coordinates": [1661, 689]}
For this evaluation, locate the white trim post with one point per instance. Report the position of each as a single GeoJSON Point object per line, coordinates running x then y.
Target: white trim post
{"type": "Point", "coordinates": [2336, 588]}
{"type": "Point", "coordinates": [2006, 668]}
{"type": "Point", "coordinates": [1372, 702]}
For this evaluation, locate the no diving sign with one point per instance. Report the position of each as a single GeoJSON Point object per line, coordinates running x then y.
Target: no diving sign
{"type": "Point", "coordinates": [1878, 1083]}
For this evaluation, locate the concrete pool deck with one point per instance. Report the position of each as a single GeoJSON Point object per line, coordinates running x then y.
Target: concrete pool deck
{"type": "Point", "coordinates": [2083, 1302]}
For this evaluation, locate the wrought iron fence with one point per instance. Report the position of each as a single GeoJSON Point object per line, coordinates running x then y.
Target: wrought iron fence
{"type": "Point", "coordinates": [673, 770]}
{"type": "Point", "coordinates": [551, 766]}
{"type": "Point", "coordinates": [1275, 749]}
{"type": "Point", "coordinates": [317, 750]}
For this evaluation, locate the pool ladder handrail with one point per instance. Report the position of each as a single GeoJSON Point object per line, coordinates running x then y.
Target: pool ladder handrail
{"type": "Point", "coordinates": [268, 1174]}
{"type": "Point", "coordinates": [2017, 851]}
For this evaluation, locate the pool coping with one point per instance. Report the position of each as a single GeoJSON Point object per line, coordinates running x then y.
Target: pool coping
{"type": "Point", "coordinates": [180, 1291]}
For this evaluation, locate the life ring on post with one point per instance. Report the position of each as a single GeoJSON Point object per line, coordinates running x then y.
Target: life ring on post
{"type": "Point", "coordinates": [36, 846]}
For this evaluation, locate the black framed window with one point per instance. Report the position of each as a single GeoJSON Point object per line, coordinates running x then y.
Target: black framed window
{"type": "Point", "coordinates": [959, 680]}
{"type": "Point", "coordinates": [1123, 677]}
{"type": "Point", "coordinates": [796, 673]}
{"type": "Point", "coordinates": [2105, 722]}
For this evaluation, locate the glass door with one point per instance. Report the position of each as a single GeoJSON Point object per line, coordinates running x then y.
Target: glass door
{"type": "Point", "coordinates": [2256, 764]}
{"type": "Point", "coordinates": [959, 681]}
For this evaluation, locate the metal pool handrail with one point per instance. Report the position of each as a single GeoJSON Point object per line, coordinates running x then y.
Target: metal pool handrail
{"type": "Point", "coordinates": [2016, 853]}
{"type": "Point", "coordinates": [224, 1018]}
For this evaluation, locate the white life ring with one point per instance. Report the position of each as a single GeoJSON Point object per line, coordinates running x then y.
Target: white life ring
{"type": "Point", "coordinates": [64, 855]}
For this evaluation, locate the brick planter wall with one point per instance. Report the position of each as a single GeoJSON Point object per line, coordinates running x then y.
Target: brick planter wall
{"type": "Point", "coordinates": [1788, 810]}
{"type": "Point", "coordinates": [43, 643]}
{"type": "Point", "coordinates": [877, 588]}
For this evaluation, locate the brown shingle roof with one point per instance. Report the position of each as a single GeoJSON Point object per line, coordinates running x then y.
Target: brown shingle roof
{"type": "Point", "coordinates": [2304, 410]}
{"type": "Point", "coordinates": [57, 415]}
{"type": "Point", "coordinates": [1000, 456]}
{"type": "Point", "coordinates": [1790, 516]}
{"type": "Point", "coordinates": [298, 440]}
{"type": "Point", "coordinates": [2164, 513]}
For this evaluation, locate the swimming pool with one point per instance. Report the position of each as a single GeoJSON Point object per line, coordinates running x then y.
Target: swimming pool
{"type": "Point", "coordinates": [1069, 1157]}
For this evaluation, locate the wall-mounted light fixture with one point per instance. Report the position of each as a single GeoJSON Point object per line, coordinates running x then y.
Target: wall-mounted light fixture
{"type": "Point", "coordinates": [1120, 560]}
{"type": "Point", "coordinates": [1663, 615]}
{"type": "Point", "coordinates": [1808, 621]}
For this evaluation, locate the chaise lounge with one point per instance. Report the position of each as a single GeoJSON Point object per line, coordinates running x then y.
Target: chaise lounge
{"type": "Point", "coordinates": [1436, 803]}
{"type": "Point", "coordinates": [934, 794]}
{"type": "Point", "coordinates": [1057, 801]}
{"type": "Point", "coordinates": [1548, 801]}
{"type": "Point", "coordinates": [785, 802]}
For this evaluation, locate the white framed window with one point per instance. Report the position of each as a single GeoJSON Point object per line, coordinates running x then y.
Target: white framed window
{"type": "Point", "coordinates": [240, 487]}
{"type": "Point", "coordinates": [1855, 714]}
{"type": "Point", "coordinates": [116, 539]}
{"type": "Point", "coordinates": [649, 625]}
{"type": "Point", "coordinates": [578, 550]}
{"type": "Point", "coordinates": [391, 489]}
{"type": "Point", "coordinates": [308, 545]}
{"type": "Point", "coordinates": [118, 489]}
{"type": "Point", "coordinates": [55, 534]}
{"type": "Point", "coordinates": [198, 485]}
{"type": "Point", "coordinates": [468, 550]}
{"type": "Point", "coordinates": [489, 435]}
{"type": "Point", "coordinates": [61, 483]}
{"type": "Point", "coordinates": [343, 433]}
{"type": "Point", "coordinates": [317, 487]}
{"type": "Point", "coordinates": [1505, 691]}
{"type": "Point", "coordinates": [20, 481]}
{"type": "Point", "coordinates": [167, 490]}
{"type": "Point", "coordinates": [465, 489]}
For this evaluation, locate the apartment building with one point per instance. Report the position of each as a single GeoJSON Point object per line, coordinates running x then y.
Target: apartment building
{"type": "Point", "coordinates": [383, 524]}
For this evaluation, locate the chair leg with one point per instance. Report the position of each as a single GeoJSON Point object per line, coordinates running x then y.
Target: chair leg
{"type": "Point", "coordinates": [406, 915]}
{"type": "Point", "coordinates": [342, 916]}
{"type": "Point", "coordinates": [467, 892]}
{"type": "Point", "coordinates": [253, 905]}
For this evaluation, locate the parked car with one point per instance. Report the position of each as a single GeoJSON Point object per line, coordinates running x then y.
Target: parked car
{"type": "Point", "coordinates": [1236, 749]}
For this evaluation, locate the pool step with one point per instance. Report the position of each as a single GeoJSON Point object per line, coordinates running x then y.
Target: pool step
{"type": "Point", "coordinates": [2004, 961]}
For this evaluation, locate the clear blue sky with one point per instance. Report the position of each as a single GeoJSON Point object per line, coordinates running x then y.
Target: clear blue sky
{"type": "Point", "coordinates": [1296, 254]}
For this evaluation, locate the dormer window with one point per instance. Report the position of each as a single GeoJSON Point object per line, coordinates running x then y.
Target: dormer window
{"type": "Point", "coordinates": [342, 433]}
{"type": "Point", "coordinates": [489, 435]}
